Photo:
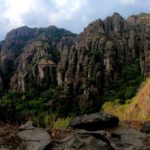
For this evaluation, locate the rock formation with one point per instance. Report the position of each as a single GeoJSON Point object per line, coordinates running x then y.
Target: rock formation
{"type": "Point", "coordinates": [119, 138]}
{"type": "Point", "coordinates": [84, 65]}
{"type": "Point", "coordinates": [100, 52]}
{"type": "Point", "coordinates": [95, 121]}
{"type": "Point", "coordinates": [29, 56]}
{"type": "Point", "coordinates": [33, 138]}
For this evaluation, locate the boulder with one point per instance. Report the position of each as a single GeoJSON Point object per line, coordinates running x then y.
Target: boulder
{"type": "Point", "coordinates": [95, 121]}
{"type": "Point", "coordinates": [33, 138]}
{"type": "Point", "coordinates": [27, 126]}
{"type": "Point", "coordinates": [128, 136]}
{"type": "Point", "coordinates": [125, 138]}
{"type": "Point", "coordinates": [82, 141]}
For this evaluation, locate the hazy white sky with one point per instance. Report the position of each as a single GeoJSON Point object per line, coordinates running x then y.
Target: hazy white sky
{"type": "Point", "coordinates": [73, 15]}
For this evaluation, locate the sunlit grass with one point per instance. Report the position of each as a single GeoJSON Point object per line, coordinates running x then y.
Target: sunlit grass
{"type": "Point", "coordinates": [135, 109]}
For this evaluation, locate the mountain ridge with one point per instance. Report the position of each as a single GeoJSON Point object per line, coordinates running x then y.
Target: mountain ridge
{"type": "Point", "coordinates": [89, 66]}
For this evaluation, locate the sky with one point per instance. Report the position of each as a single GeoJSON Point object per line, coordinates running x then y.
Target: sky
{"type": "Point", "coordinates": [73, 15]}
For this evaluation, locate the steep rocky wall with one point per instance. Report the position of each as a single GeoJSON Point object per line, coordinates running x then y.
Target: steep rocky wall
{"type": "Point", "coordinates": [98, 56]}
{"type": "Point", "coordinates": [37, 65]}
{"type": "Point", "coordinates": [85, 65]}
{"type": "Point", "coordinates": [29, 56]}
{"type": "Point", "coordinates": [11, 47]}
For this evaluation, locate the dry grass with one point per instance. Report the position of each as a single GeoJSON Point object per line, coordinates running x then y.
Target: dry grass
{"type": "Point", "coordinates": [62, 123]}
{"type": "Point", "coordinates": [135, 110]}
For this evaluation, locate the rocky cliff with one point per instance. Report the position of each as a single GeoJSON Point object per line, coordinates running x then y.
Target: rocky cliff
{"type": "Point", "coordinates": [29, 56]}
{"type": "Point", "coordinates": [95, 62]}
{"type": "Point", "coordinates": [86, 65]}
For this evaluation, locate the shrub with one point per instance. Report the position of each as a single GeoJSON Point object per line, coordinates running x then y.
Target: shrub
{"type": "Point", "coordinates": [49, 119]}
{"type": "Point", "coordinates": [127, 83]}
{"type": "Point", "coordinates": [62, 123]}
{"type": "Point", "coordinates": [109, 106]}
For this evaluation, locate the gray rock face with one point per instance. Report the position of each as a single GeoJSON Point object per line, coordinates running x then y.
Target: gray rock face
{"type": "Point", "coordinates": [82, 141]}
{"type": "Point", "coordinates": [36, 62]}
{"type": "Point", "coordinates": [84, 65]}
{"type": "Point", "coordinates": [121, 138]}
{"type": "Point", "coordinates": [11, 47]}
{"type": "Point", "coordinates": [35, 68]}
{"type": "Point", "coordinates": [33, 138]}
{"type": "Point", "coordinates": [98, 57]}
{"type": "Point", "coordinates": [115, 23]}
{"type": "Point", "coordinates": [95, 121]}
{"type": "Point", "coordinates": [27, 126]}
{"type": "Point", "coordinates": [129, 139]}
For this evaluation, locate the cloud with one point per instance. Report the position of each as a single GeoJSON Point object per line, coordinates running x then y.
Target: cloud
{"type": "Point", "coordinates": [65, 10]}
{"type": "Point", "coordinates": [12, 13]}
{"type": "Point", "coordinates": [71, 14]}
{"type": "Point", "coordinates": [18, 12]}
{"type": "Point", "coordinates": [127, 2]}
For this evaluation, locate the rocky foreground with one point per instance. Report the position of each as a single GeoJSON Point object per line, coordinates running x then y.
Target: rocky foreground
{"type": "Point", "coordinates": [101, 134]}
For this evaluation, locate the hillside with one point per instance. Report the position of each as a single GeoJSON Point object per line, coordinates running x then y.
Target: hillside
{"type": "Point", "coordinates": [59, 72]}
{"type": "Point", "coordinates": [141, 105]}
{"type": "Point", "coordinates": [55, 79]}
{"type": "Point", "coordinates": [137, 109]}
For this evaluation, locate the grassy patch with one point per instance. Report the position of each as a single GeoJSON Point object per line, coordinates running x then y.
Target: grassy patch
{"type": "Point", "coordinates": [135, 109]}
{"type": "Point", "coordinates": [62, 123]}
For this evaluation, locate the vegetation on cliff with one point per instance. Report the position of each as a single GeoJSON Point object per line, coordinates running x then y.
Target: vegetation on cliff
{"type": "Point", "coordinates": [50, 73]}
